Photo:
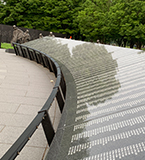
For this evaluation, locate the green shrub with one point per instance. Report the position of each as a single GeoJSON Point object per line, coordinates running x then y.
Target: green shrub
{"type": "Point", "coordinates": [6, 46]}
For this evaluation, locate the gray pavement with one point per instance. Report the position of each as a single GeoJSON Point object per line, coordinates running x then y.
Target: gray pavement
{"type": "Point", "coordinates": [24, 88]}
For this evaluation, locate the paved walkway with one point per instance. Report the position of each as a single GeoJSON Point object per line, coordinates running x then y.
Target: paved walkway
{"type": "Point", "coordinates": [24, 88]}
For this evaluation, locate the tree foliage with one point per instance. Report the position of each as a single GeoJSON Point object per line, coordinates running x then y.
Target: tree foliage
{"type": "Point", "coordinates": [119, 21]}
{"type": "Point", "coordinates": [127, 19]}
{"type": "Point", "coordinates": [93, 19]}
{"type": "Point", "coordinates": [57, 16]}
{"type": "Point", "coordinates": [26, 13]}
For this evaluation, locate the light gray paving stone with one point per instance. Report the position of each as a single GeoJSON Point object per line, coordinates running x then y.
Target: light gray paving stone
{"type": "Point", "coordinates": [38, 139]}
{"type": "Point", "coordinates": [2, 76]}
{"type": "Point", "coordinates": [11, 75]}
{"type": "Point", "coordinates": [32, 153]}
{"type": "Point", "coordinates": [10, 134]}
{"type": "Point", "coordinates": [55, 114]}
{"type": "Point", "coordinates": [18, 120]}
{"type": "Point", "coordinates": [39, 85]}
{"type": "Point", "coordinates": [23, 100]}
{"type": "Point", "coordinates": [28, 109]}
{"type": "Point", "coordinates": [2, 65]}
{"type": "Point", "coordinates": [24, 89]}
{"type": "Point", "coordinates": [24, 82]}
{"type": "Point", "coordinates": [12, 92]}
{"type": "Point", "coordinates": [36, 94]}
{"type": "Point", "coordinates": [14, 86]}
{"type": "Point", "coordinates": [3, 70]}
{"type": "Point", "coordinates": [1, 127]}
{"type": "Point", "coordinates": [8, 107]}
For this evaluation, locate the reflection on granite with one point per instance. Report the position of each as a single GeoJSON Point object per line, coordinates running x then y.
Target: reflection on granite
{"type": "Point", "coordinates": [103, 117]}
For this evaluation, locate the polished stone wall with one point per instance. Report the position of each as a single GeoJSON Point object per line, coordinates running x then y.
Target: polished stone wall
{"type": "Point", "coordinates": [103, 117]}
{"type": "Point", "coordinates": [6, 33]}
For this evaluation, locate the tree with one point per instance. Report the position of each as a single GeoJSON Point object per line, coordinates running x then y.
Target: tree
{"type": "Point", "coordinates": [60, 16]}
{"type": "Point", "coordinates": [93, 20]}
{"type": "Point", "coordinates": [127, 21]}
{"type": "Point", "coordinates": [25, 13]}
{"type": "Point", "coordinates": [120, 21]}
{"type": "Point", "coordinates": [116, 20]}
{"type": "Point", "coordinates": [56, 16]}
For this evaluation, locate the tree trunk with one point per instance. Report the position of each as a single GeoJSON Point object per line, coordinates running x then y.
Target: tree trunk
{"type": "Point", "coordinates": [131, 44]}
{"type": "Point", "coordinates": [138, 45]}
{"type": "Point", "coordinates": [125, 41]}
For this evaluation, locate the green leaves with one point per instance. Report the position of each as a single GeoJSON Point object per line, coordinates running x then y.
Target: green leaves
{"type": "Point", "coordinates": [106, 20]}
{"type": "Point", "coordinates": [129, 19]}
{"type": "Point", "coordinates": [93, 19]}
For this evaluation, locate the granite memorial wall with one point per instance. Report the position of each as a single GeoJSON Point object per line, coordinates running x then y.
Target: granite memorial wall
{"type": "Point", "coordinates": [103, 118]}
{"type": "Point", "coordinates": [6, 33]}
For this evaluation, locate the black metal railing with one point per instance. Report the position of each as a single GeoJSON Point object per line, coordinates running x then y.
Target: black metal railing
{"type": "Point", "coordinates": [58, 92]}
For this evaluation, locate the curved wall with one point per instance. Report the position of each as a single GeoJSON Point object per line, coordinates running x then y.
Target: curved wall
{"type": "Point", "coordinates": [103, 117]}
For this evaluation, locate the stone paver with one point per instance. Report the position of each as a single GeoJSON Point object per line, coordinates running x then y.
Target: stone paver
{"type": "Point", "coordinates": [24, 88]}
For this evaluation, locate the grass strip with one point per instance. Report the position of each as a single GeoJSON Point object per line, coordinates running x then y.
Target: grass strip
{"type": "Point", "coordinates": [6, 46]}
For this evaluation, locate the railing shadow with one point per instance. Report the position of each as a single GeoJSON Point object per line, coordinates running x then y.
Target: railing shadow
{"type": "Point", "coordinates": [58, 92]}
